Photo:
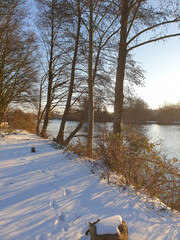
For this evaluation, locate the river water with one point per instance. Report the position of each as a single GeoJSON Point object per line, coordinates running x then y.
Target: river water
{"type": "Point", "coordinates": [169, 135]}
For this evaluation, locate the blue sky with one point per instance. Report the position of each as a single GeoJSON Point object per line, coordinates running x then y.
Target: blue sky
{"type": "Point", "coordinates": [161, 61]}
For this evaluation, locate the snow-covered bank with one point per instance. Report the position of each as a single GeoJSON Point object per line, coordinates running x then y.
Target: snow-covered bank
{"type": "Point", "coordinates": [51, 195]}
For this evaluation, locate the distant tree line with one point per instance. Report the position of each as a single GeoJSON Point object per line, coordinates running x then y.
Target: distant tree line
{"type": "Point", "coordinates": [169, 113]}
{"type": "Point", "coordinates": [136, 111]}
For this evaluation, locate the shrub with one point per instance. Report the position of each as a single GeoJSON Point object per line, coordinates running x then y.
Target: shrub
{"type": "Point", "coordinates": [21, 120]}
{"type": "Point", "coordinates": [131, 154]}
{"type": "Point", "coordinates": [79, 148]}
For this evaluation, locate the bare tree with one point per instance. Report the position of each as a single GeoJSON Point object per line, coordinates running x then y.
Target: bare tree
{"type": "Point", "coordinates": [49, 21]}
{"type": "Point", "coordinates": [60, 136]}
{"type": "Point", "coordinates": [18, 65]}
{"type": "Point", "coordinates": [96, 16]}
{"type": "Point", "coordinates": [136, 19]}
{"type": "Point", "coordinates": [78, 12]}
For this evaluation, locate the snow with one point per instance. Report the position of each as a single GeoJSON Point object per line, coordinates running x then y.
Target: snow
{"type": "Point", "coordinates": [53, 195]}
{"type": "Point", "coordinates": [109, 225]}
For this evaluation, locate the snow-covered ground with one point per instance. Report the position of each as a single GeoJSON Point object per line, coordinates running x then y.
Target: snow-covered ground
{"type": "Point", "coordinates": [51, 194]}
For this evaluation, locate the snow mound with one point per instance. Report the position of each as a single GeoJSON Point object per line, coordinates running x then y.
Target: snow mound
{"type": "Point", "coordinates": [109, 225]}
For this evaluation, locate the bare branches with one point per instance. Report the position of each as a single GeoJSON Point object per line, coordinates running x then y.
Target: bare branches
{"type": "Point", "coordinates": [18, 65]}
{"type": "Point", "coordinates": [154, 40]}
{"type": "Point", "coordinates": [153, 27]}
{"type": "Point", "coordinates": [137, 18]}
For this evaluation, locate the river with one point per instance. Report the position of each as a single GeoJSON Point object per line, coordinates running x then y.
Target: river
{"type": "Point", "coordinates": [168, 134]}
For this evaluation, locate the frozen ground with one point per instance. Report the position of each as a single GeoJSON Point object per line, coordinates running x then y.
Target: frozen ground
{"type": "Point", "coordinates": [52, 195]}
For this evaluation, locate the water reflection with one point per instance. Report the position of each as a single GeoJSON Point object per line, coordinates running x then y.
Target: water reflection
{"type": "Point", "coordinates": [168, 134]}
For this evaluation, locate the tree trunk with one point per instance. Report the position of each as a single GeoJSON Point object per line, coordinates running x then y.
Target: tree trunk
{"type": "Point", "coordinates": [2, 96]}
{"type": "Point", "coordinates": [90, 84]}
{"type": "Point", "coordinates": [48, 105]}
{"type": "Point", "coordinates": [60, 136]}
{"type": "Point", "coordinates": [119, 87]}
{"type": "Point", "coordinates": [50, 81]}
{"type": "Point", "coordinates": [73, 133]}
{"type": "Point", "coordinates": [40, 113]}
{"type": "Point", "coordinates": [2, 115]}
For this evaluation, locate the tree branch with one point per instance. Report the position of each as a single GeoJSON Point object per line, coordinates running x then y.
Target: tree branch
{"type": "Point", "coordinates": [66, 142]}
{"type": "Point", "coordinates": [154, 40]}
{"type": "Point", "coordinates": [103, 16]}
{"type": "Point", "coordinates": [134, 17]}
{"type": "Point", "coordinates": [152, 27]}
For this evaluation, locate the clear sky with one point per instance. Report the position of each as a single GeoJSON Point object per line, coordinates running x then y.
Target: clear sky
{"type": "Point", "coordinates": [161, 61]}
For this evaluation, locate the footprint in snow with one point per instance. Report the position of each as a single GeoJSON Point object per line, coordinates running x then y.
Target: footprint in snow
{"type": "Point", "coordinates": [58, 227]}
{"type": "Point", "coordinates": [66, 226]}
{"type": "Point", "coordinates": [30, 164]}
{"type": "Point", "coordinates": [56, 175]}
{"type": "Point", "coordinates": [62, 217]}
{"type": "Point", "coordinates": [44, 171]}
{"type": "Point", "coordinates": [54, 204]}
{"type": "Point", "coordinates": [67, 192]}
{"type": "Point", "coordinates": [62, 221]}
{"type": "Point", "coordinates": [53, 185]}
{"type": "Point", "coordinates": [61, 224]}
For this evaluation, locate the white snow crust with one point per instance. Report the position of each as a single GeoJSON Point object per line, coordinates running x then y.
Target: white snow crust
{"type": "Point", "coordinates": [109, 225]}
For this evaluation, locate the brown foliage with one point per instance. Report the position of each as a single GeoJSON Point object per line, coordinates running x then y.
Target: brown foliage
{"type": "Point", "coordinates": [21, 120]}
{"type": "Point", "coordinates": [133, 156]}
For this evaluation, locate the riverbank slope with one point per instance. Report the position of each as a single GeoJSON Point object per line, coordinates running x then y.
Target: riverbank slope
{"type": "Point", "coordinates": [51, 194]}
